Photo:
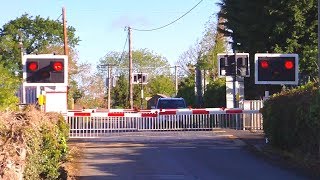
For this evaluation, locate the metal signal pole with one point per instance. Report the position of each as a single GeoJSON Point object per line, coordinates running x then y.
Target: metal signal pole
{"type": "Point", "coordinates": [235, 80]}
{"type": "Point", "coordinates": [130, 70]}
{"type": "Point", "coordinates": [65, 33]}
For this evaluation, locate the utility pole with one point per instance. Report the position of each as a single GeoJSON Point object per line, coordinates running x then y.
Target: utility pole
{"type": "Point", "coordinates": [109, 86]}
{"type": "Point", "coordinates": [130, 69]}
{"type": "Point", "coordinates": [65, 33]}
{"type": "Point", "coordinates": [108, 82]}
{"type": "Point", "coordinates": [176, 79]}
{"type": "Point", "coordinates": [141, 83]}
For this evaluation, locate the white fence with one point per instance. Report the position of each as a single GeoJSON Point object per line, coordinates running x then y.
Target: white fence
{"type": "Point", "coordinates": [99, 124]}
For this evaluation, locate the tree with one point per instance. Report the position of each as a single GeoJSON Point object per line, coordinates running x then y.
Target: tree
{"type": "Point", "coordinates": [144, 61]}
{"type": "Point", "coordinates": [215, 95]}
{"type": "Point", "coordinates": [120, 93]}
{"type": "Point", "coordinates": [91, 87]}
{"type": "Point", "coordinates": [9, 84]}
{"type": "Point", "coordinates": [161, 85]}
{"type": "Point", "coordinates": [186, 90]}
{"type": "Point", "coordinates": [36, 35]}
{"type": "Point", "coordinates": [203, 54]}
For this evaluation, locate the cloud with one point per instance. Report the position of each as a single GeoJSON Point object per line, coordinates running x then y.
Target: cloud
{"type": "Point", "coordinates": [126, 20]}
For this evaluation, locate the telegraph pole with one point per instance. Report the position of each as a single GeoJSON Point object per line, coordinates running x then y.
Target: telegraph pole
{"type": "Point", "coordinates": [109, 86]}
{"type": "Point", "coordinates": [65, 33]}
{"type": "Point", "coordinates": [176, 79]}
{"type": "Point", "coordinates": [130, 69]}
{"type": "Point", "coordinates": [141, 82]}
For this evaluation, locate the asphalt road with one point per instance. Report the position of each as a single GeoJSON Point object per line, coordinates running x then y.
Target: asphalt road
{"type": "Point", "coordinates": [176, 155]}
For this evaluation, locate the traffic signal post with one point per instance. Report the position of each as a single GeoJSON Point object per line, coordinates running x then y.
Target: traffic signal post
{"type": "Point", "coordinates": [234, 66]}
{"type": "Point", "coordinates": [49, 74]}
{"type": "Point", "coordinates": [140, 78]}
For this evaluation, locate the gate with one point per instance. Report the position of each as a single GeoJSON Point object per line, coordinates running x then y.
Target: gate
{"type": "Point", "coordinates": [98, 124]}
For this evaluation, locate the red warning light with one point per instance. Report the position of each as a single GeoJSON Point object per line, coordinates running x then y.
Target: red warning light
{"type": "Point", "coordinates": [57, 66]}
{"type": "Point", "coordinates": [288, 64]}
{"type": "Point", "coordinates": [264, 64]}
{"type": "Point", "coordinates": [32, 66]}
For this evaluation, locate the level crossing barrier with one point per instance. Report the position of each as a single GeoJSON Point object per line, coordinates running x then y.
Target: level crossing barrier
{"type": "Point", "coordinates": [98, 124]}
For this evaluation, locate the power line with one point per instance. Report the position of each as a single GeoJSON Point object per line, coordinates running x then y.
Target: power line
{"type": "Point", "coordinates": [120, 56]}
{"type": "Point", "coordinates": [59, 17]}
{"type": "Point", "coordinates": [123, 50]}
{"type": "Point", "coordinates": [170, 22]}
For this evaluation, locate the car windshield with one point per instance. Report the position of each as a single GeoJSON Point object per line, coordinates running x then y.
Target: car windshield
{"type": "Point", "coordinates": [171, 104]}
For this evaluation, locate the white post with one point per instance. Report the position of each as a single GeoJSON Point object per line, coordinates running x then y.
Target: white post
{"type": "Point", "coordinates": [266, 95]}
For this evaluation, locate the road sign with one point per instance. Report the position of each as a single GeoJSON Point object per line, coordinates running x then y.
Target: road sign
{"type": "Point", "coordinates": [140, 78]}
{"type": "Point", "coordinates": [45, 70]}
{"type": "Point", "coordinates": [276, 68]}
{"type": "Point", "coordinates": [227, 65]}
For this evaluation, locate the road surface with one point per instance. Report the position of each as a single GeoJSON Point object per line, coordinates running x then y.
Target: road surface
{"type": "Point", "coordinates": [193, 155]}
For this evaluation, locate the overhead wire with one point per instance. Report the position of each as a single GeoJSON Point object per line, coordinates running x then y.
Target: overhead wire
{"type": "Point", "coordinates": [123, 50]}
{"type": "Point", "coordinates": [120, 56]}
{"type": "Point", "coordinates": [171, 21]}
{"type": "Point", "coordinates": [58, 17]}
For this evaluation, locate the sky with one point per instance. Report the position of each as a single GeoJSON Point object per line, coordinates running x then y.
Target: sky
{"type": "Point", "coordinates": [100, 24]}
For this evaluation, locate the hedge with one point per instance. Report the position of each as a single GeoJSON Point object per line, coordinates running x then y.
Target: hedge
{"type": "Point", "coordinates": [292, 120]}
{"type": "Point", "coordinates": [34, 144]}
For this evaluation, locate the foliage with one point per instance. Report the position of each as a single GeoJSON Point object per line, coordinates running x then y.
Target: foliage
{"type": "Point", "coordinates": [35, 33]}
{"type": "Point", "coordinates": [292, 119]}
{"type": "Point", "coordinates": [9, 84]}
{"type": "Point", "coordinates": [143, 60]}
{"type": "Point", "coordinates": [203, 53]}
{"type": "Point", "coordinates": [120, 93]}
{"type": "Point", "coordinates": [40, 140]}
{"type": "Point", "coordinates": [186, 90]}
{"type": "Point", "coordinates": [90, 87]}
{"type": "Point", "coordinates": [161, 85]}
{"type": "Point", "coordinates": [157, 68]}
{"type": "Point", "coordinates": [203, 56]}
{"type": "Point", "coordinates": [215, 94]}
{"type": "Point", "coordinates": [272, 26]}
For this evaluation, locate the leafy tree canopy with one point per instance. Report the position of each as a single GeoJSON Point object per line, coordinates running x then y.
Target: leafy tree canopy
{"type": "Point", "coordinates": [8, 86]}
{"type": "Point", "coordinates": [161, 85]}
{"type": "Point", "coordinates": [35, 33]}
{"type": "Point", "coordinates": [143, 60]}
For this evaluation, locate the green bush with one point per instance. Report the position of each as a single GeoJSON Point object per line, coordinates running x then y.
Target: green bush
{"type": "Point", "coordinates": [292, 119]}
{"type": "Point", "coordinates": [8, 86]}
{"type": "Point", "coordinates": [51, 146]}
{"type": "Point", "coordinates": [215, 95]}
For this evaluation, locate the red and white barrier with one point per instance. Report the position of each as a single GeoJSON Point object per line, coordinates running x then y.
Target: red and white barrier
{"type": "Point", "coordinates": [90, 123]}
{"type": "Point", "coordinates": [155, 113]}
